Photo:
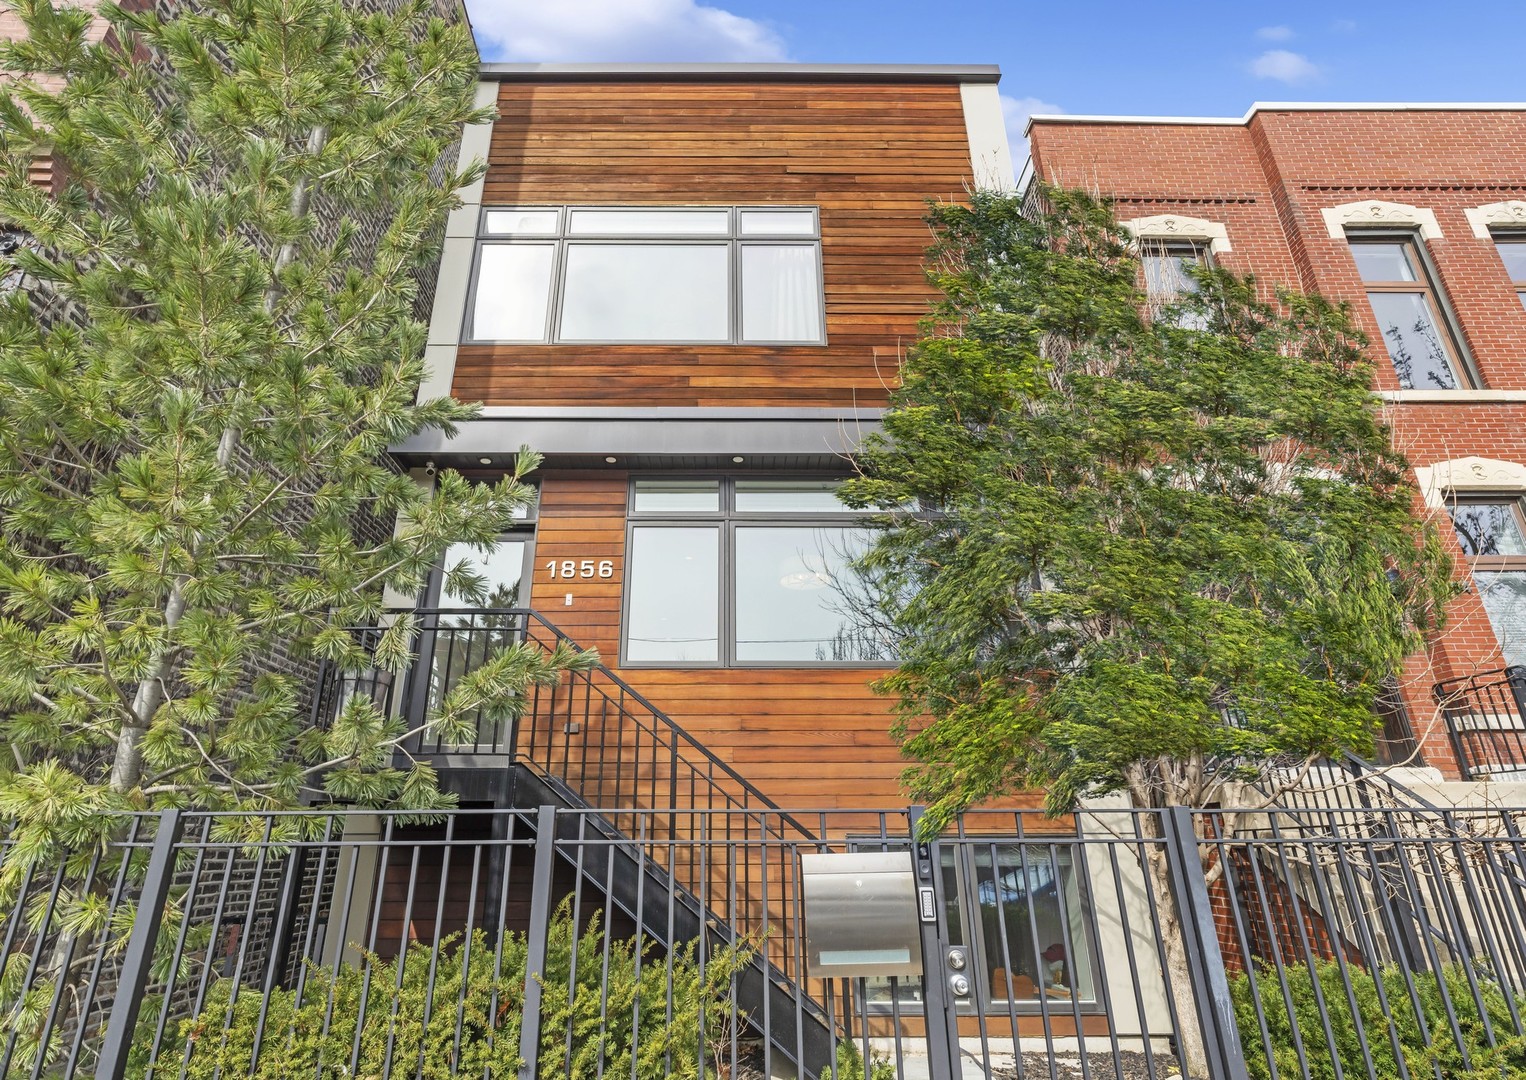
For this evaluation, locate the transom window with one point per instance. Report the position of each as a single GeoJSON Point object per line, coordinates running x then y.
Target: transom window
{"type": "Point", "coordinates": [1492, 533]}
{"type": "Point", "coordinates": [746, 571]}
{"type": "Point", "coordinates": [1409, 314]}
{"type": "Point", "coordinates": [1512, 249]}
{"type": "Point", "coordinates": [675, 275]}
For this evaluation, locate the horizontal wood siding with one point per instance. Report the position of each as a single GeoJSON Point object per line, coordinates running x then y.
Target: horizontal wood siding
{"type": "Point", "coordinates": [815, 737]}
{"type": "Point", "coordinates": [870, 156]}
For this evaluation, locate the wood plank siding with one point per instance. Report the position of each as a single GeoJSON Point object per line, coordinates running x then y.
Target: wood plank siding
{"type": "Point", "coordinates": [869, 155]}
{"type": "Point", "coordinates": [813, 737]}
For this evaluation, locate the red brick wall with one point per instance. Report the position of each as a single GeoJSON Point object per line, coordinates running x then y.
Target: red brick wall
{"type": "Point", "coordinates": [1267, 181]}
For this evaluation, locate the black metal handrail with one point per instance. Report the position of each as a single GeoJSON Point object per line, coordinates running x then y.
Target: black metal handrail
{"type": "Point", "coordinates": [593, 734]}
{"type": "Point", "coordinates": [1486, 721]}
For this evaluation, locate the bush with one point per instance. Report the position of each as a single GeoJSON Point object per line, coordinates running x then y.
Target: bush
{"type": "Point", "coordinates": [617, 1012]}
{"type": "Point", "coordinates": [1501, 1058]}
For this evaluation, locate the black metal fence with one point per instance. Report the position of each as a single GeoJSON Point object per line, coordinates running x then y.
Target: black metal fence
{"type": "Point", "coordinates": [546, 943]}
{"type": "Point", "coordinates": [1486, 721]}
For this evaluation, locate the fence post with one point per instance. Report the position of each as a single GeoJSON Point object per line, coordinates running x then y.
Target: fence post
{"type": "Point", "coordinates": [139, 957]}
{"type": "Point", "coordinates": [942, 1023]}
{"type": "Point", "coordinates": [540, 926]}
{"type": "Point", "coordinates": [1205, 963]}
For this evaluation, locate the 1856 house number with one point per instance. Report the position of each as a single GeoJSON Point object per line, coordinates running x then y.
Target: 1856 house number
{"type": "Point", "coordinates": [587, 568]}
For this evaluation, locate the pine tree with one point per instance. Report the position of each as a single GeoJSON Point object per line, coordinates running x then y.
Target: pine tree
{"type": "Point", "coordinates": [188, 457]}
{"type": "Point", "coordinates": [1159, 553]}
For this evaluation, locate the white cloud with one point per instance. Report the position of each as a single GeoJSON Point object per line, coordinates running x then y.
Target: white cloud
{"type": "Point", "coordinates": [1275, 33]}
{"type": "Point", "coordinates": [1284, 66]}
{"type": "Point", "coordinates": [1016, 111]}
{"type": "Point", "coordinates": [572, 31]}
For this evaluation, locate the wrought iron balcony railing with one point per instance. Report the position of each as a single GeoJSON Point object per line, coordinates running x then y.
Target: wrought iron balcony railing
{"type": "Point", "coordinates": [1486, 721]}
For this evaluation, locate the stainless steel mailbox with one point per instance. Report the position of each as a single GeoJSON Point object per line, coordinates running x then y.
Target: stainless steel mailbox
{"type": "Point", "coordinates": [860, 915]}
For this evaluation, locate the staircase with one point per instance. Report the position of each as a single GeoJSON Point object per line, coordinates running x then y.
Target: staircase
{"type": "Point", "coordinates": [662, 801]}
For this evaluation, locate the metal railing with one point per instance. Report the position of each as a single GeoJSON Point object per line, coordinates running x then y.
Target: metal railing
{"type": "Point", "coordinates": [593, 735]}
{"type": "Point", "coordinates": [1486, 722]}
{"type": "Point", "coordinates": [1115, 944]}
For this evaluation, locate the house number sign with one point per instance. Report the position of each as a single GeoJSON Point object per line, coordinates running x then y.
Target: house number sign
{"type": "Point", "coordinates": [587, 568]}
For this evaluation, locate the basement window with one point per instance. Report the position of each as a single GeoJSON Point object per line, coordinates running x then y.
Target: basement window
{"type": "Point", "coordinates": [648, 275]}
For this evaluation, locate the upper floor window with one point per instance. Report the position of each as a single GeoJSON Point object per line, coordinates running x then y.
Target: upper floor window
{"type": "Point", "coordinates": [674, 275]}
{"type": "Point", "coordinates": [1512, 249]}
{"type": "Point", "coordinates": [1409, 313]}
{"type": "Point", "coordinates": [1492, 533]}
{"type": "Point", "coordinates": [747, 571]}
{"type": "Point", "coordinates": [1165, 268]}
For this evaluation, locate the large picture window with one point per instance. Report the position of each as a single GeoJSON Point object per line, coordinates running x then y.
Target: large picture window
{"type": "Point", "coordinates": [747, 571]}
{"type": "Point", "coordinates": [674, 275]}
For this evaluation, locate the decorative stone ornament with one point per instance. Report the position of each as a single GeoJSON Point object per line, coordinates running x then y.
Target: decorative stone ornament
{"type": "Point", "coordinates": [1510, 214]}
{"type": "Point", "coordinates": [1469, 475]}
{"type": "Point", "coordinates": [1178, 227]}
{"type": "Point", "coordinates": [1377, 212]}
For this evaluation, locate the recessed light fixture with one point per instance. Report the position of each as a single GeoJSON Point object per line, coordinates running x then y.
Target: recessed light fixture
{"type": "Point", "coordinates": [609, 461]}
{"type": "Point", "coordinates": [485, 460]}
{"type": "Point", "coordinates": [739, 459]}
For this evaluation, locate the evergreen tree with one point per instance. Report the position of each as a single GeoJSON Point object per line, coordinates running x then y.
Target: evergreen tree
{"type": "Point", "coordinates": [1158, 552]}
{"type": "Point", "coordinates": [188, 455]}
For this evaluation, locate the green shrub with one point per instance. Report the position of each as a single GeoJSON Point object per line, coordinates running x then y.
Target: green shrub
{"type": "Point", "coordinates": [616, 1008]}
{"type": "Point", "coordinates": [1502, 1058]}
{"type": "Point", "coordinates": [850, 1064]}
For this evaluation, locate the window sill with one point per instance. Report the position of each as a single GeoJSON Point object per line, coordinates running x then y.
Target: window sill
{"type": "Point", "coordinates": [1451, 397]}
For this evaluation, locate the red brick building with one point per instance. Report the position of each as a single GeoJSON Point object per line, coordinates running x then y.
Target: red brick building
{"type": "Point", "coordinates": [1416, 216]}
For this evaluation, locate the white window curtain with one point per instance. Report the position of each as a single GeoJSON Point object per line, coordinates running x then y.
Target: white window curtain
{"type": "Point", "coordinates": [781, 299]}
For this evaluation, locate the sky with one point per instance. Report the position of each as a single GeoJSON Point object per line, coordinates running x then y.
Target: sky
{"type": "Point", "coordinates": [1103, 56]}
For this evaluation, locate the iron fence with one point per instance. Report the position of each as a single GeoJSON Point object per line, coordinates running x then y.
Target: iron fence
{"type": "Point", "coordinates": [1486, 722]}
{"type": "Point", "coordinates": [547, 943]}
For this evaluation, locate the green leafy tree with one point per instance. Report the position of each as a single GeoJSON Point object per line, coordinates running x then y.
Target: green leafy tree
{"type": "Point", "coordinates": [1159, 553]}
{"type": "Point", "coordinates": [188, 454]}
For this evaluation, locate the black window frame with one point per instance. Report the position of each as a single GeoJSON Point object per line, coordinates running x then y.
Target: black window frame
{"type": "Point", "coordinates": [726, 520]}
{"type": "Point", "coordinates": [734, 240]}
{"type": "Point", "coordinates": [965, 872]}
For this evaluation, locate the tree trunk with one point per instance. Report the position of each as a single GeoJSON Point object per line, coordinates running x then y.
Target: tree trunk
{"type": "Point", "coordinates": [1149, 790]}
{"type": "Point", "coordinates": [127, 765]}
{"type": "Point", "coordinates": [1191, 1052]}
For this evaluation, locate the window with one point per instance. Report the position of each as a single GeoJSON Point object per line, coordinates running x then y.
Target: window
{"type": "Point", "coordinates": [746, 571]}
{"type": "Point", "coordinates": [676, 275]}
{"type": "Point", "coordinates": [1032, 939]}
{"type": "Point", "coordinates": [1410, 319]}
{"type": "Point", "coordinates": [1492, 533]}
{"type": "Point", "coordinates": [1166, 280]}
{"type": "Point", "coordinates": [1512, 249]}
{"type": "Point", "coordinates": [1165, 275]}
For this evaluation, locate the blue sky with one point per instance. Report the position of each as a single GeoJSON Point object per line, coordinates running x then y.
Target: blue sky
{"type": "Point", "coordinates": [1106, 56]}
